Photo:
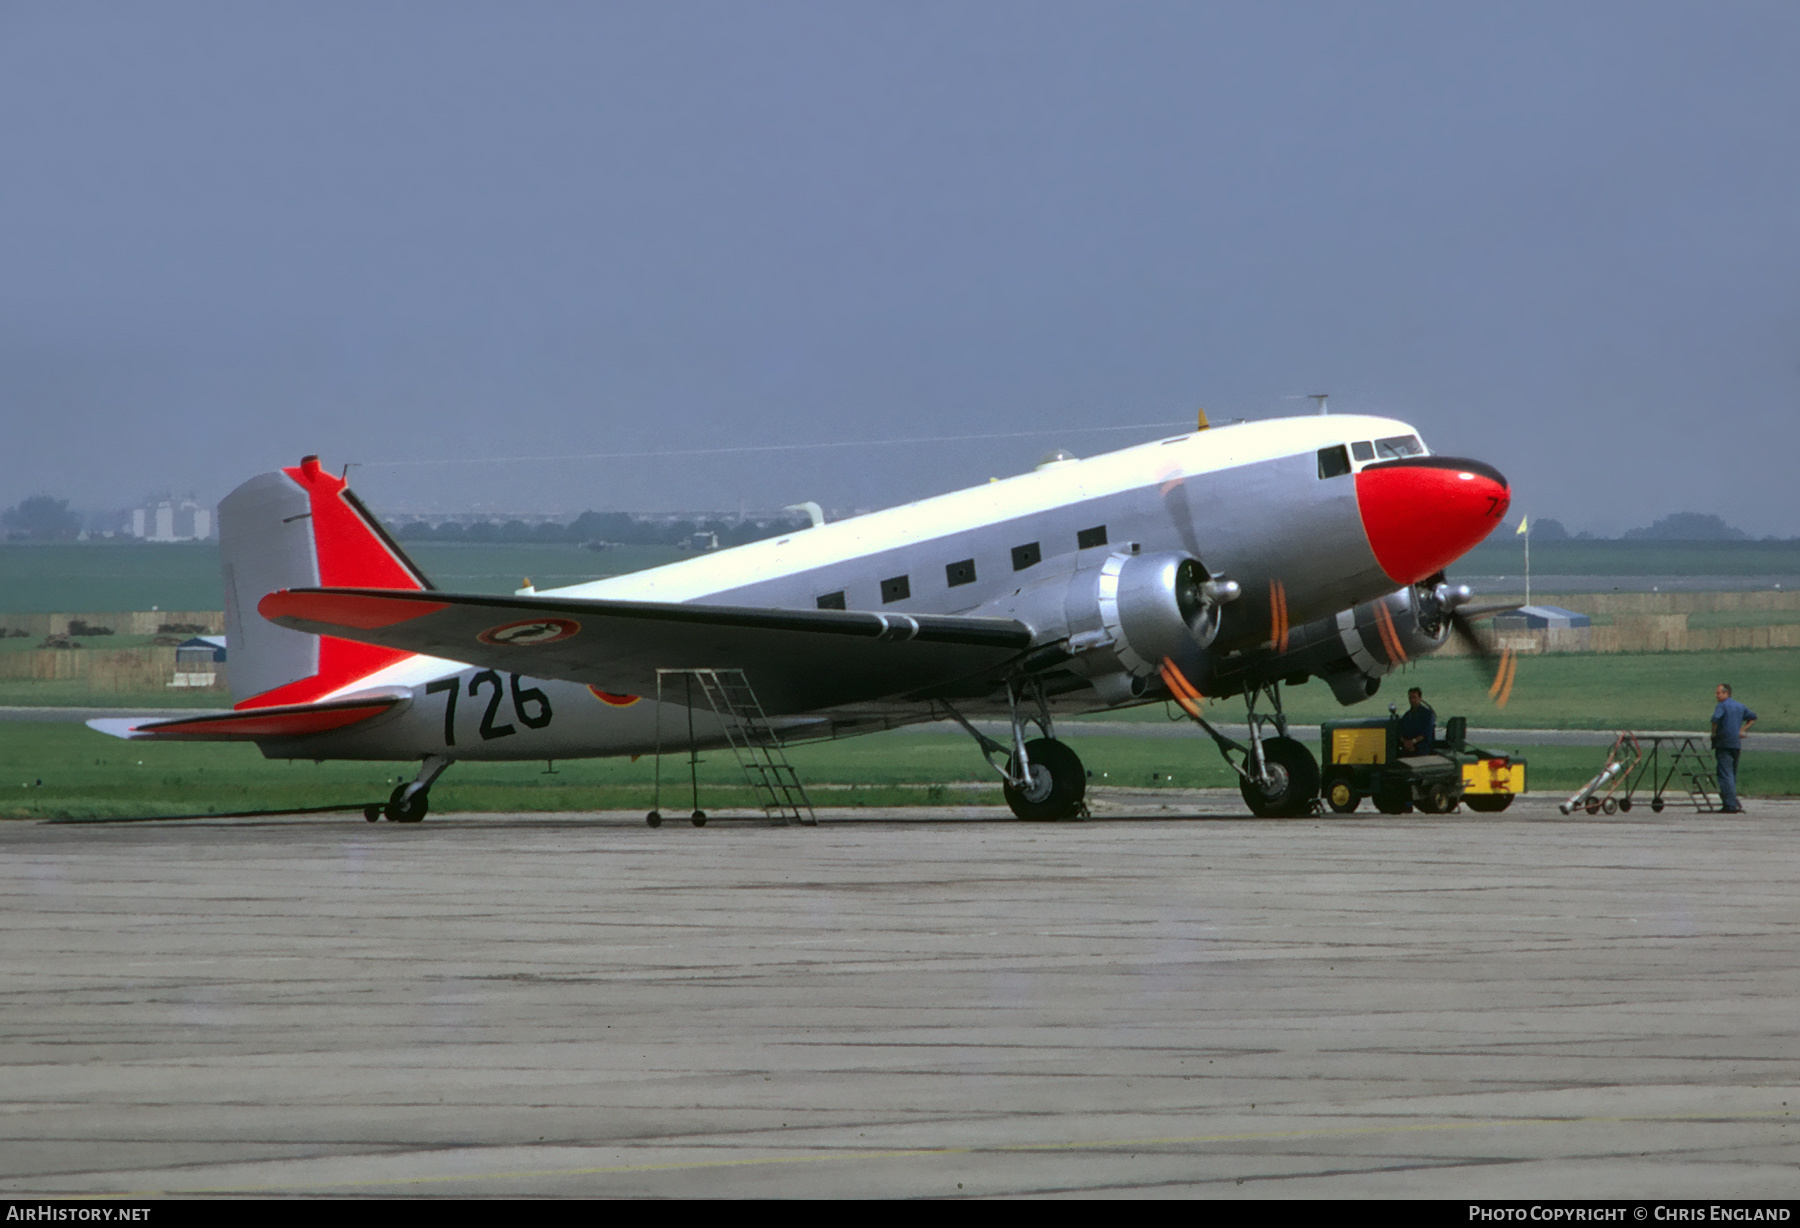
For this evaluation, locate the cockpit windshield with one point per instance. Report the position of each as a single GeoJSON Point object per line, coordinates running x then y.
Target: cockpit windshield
{"type": "Point", "coordinates": [1397, 446]}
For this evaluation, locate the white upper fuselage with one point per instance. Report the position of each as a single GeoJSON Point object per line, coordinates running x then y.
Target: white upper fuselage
{"type": "Point", "coordinates": [1055, 486]}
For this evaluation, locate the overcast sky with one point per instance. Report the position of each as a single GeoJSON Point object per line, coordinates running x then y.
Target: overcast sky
{"type": "Point", "coordinates": [1562, 237]}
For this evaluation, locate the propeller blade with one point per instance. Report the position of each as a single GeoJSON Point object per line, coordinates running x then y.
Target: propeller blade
{"type": "Point", "coordinates": [1482, 648]}
{"type": "Point", "coordinates": [1186, 693]}
{"type": "Point", "coordinates": [1488, 611]}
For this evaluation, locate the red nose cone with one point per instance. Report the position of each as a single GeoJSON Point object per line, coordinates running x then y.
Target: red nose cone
{"type": "Point", "coordinates": [1425, 512]}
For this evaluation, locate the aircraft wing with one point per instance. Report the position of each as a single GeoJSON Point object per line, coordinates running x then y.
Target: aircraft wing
{"type": "Point", "coordinates": [796, 660]}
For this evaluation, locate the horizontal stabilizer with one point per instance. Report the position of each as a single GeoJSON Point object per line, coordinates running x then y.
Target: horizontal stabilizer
{"type": "Point", "coordinates": [797, 660]}
{"type": "Point", "coordinates": [247, 725]}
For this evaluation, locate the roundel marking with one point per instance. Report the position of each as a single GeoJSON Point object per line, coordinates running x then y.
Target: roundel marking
{"type": "Point", "coordinates": [530, 632]}
{"type": "Point", "coordinates": [617, 701]}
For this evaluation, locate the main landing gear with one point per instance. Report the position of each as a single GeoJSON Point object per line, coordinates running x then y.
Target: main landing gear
{"type": "Point", "coordinates": [1041, 779]}
{"type": "Point", "coordinates": [409, 802]}
{"type": "Point", "coordinates": [1278, 776]}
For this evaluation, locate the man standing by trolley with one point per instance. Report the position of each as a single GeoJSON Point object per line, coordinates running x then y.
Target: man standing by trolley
{"type": "Point", "coordinates": [1731, 720]}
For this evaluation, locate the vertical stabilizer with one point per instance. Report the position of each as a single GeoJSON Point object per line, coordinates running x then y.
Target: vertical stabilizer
{"type": "Point", "coordinates": [300, 528]}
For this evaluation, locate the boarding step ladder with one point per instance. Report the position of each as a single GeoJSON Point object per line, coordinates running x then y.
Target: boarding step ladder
{"type": "Point", "coordinates": [1702, 784]}
{"type": "Point", "coordinates": [747, 731]}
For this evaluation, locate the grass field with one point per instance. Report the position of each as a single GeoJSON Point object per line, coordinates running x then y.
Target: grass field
{"type": "Point", "coordinates": [1657, 690]}
{"type": "Point", "coordinates": [86, 774]}
{"type": "Point", "coordinates": [1504, 554]}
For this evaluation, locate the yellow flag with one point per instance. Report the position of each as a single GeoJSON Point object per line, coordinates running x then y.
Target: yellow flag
{"type": "Point", "coordinates": [1521, 527]}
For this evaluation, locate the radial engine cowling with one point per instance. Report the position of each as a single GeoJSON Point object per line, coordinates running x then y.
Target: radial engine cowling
{"type": "Point", "coordinates": [1123, 617]}
{"type": "Point", "coordinates": [1353, 650]}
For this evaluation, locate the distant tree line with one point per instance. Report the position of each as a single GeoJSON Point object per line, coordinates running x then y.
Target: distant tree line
{"type": "Point", "coordinates": [596, 528]}
{"type": "Point", "coordinates": [1679, 527]}
{"type": "Point", "coordinates": [41, 519]}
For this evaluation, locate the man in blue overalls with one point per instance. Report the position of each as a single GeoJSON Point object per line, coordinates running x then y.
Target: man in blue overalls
{"type": "Point", "coordinates": [1418, 725]}
{"type": "Point", "coordinates": [1731, 720]}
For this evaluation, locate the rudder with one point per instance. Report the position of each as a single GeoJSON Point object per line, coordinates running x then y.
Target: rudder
{"type": "Point", "coordinates": [300, 528]}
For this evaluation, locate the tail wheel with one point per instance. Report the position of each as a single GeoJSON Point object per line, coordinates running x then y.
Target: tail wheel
{"type": "Point", "coordinates": [1487, 803]}
{"type": "Point", "coordinates": [402, 808]}
{"type": "Point", "coordinates": [1293, 781]}
{"type": "Point", "coordinates": [1342, 797]}
{"type": "Point", "coordinates": [1058, 783]}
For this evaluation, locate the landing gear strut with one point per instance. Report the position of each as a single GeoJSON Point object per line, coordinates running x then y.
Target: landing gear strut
{"type": "Point", "coordinates": [409, 802]}
{"type": "Point", "coordinates": [1042, 779]}
{"type": "Point", "coordinates": [1278, 776]}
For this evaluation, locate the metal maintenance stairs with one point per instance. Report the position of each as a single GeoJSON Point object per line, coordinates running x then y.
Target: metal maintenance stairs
{"type": "Point", "coordinates": [752, 739]}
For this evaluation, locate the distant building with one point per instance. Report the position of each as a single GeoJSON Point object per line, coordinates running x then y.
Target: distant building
{"type": "Point", "coordinates": [167, 520]}
{"type": "Point", "coordinates": [1540, 618]}
{"type": "Point", "coordinates": [197, 661]}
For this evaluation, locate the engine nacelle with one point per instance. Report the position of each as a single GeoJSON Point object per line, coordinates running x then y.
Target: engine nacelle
{"type": "Point", "coordinates": [1113, 624]}
{"type": "Point", "coordinates": [1354, 650]}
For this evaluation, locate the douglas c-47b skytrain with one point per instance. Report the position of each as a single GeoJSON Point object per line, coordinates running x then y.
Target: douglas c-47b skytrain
{"type": "Point", "coordinates": [1218, 563]}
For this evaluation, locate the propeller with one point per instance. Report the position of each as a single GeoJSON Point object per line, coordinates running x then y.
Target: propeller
{"type": "Point", "coordinates": [1451, 604]}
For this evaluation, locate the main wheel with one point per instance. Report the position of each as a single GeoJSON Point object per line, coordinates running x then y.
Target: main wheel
{"type": "Point", "coordinates": [1293, 781]}
{"type": "Point", "coordinates": [698, 818]}
{"type": "Point", "coordinates": [1058, 783]}
{"type": "Point", "coordinates": [402, 808]}
{"type": "Point", "coordinates": [1487, 803]}
{"type": "Point", "coordinates": [654, 818]}
{"type": "Point", "coordinates": [372, 813]}
{"type": "Point", "coordinates": [1342, 796]}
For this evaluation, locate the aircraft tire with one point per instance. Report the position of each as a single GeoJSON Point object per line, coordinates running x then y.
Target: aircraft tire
{"type": "Point", "coordinates": [404, 809]}
{"type": "Point", "coordinates": [698, 818]}
{"type": "Point", "coordinates": [1060, 780]}
{"type": "Point", "coordinates": [372, 813]}
{"type": "Point", "coordinates": [1342, 797]}
{"type": "Point", "coordinates": [1295, 786]}
{"type": "Point", "coordinates": [1487, 803]}
{"type": "Point", "coordinates": [654, 818]}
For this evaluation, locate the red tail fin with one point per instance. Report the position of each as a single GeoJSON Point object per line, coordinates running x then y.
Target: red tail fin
{"type": "Point", "coordinates": [350, 550]}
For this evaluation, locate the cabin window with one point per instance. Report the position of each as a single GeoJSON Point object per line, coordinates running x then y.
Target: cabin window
{"type": "Point", "coordinates": [897, 589]}
{"type": "Point", "coordinates": [1398, 446]}
{"type": "Point", "coordinates": [1026, 556]}
{"type": "Point", "coordinates": [960, 573]}
{"type": "Point", "coordinates": [1362, 450]}
{"type": "Point", "coordinates": [1088, 538]}
{"type": "Point", "coordinates": [832, 601]}
{"type": "Point", "coordinates": [1334, 462]}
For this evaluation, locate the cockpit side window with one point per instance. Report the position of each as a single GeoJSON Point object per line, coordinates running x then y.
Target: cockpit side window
{"type": "Point", "coordinates": [1334, 462]}
{"type": "Point", "coordinates": [1397, 446]}
{"type": "Point", "coordinates": [1362, 450]}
